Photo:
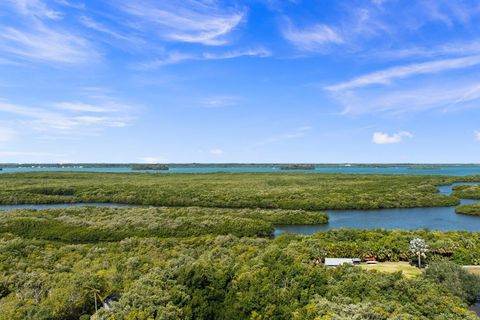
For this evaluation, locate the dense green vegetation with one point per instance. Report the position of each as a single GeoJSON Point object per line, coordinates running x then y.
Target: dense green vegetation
{"type": "Point", "coordinates": [208, 253]}
{"type": "Point", "coordinates": [225, 277]}
{"type": "Point", "coordinates": [467, 191]}
{"type": "Point", "coordinates": [87, 224]}
{"type": "Point", "coordinates": [460, 247]}
{"type": "Point", "coordinates": [470, 209]}
{"type": "Point", "coordinates": [304, 191]}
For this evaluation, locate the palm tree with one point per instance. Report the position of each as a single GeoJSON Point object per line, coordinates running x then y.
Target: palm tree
{"type": "Point", "coordinates": [419, 248]}
{"type": "Point", "coordinates": [96, 296]}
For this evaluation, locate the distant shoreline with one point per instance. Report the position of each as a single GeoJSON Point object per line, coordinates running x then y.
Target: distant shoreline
{"type": "Point", "coordinates": [414, 166]}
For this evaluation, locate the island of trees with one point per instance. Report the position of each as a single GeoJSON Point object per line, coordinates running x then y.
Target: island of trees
{"type": "Point", "coordinates": [297, 167]}
{"type": "Point", "coordinates": [149, 167]}
{"type": "Point", "coordinates": [470, 209]}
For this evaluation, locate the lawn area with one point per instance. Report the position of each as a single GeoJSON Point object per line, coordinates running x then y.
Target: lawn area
{"type": "Point", "coordinates": [473, 269]}
{"type": "Point", "coordinates": [408, 270]}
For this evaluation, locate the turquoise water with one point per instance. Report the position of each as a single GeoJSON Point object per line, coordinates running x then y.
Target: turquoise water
{"type": "Point", "coordinates": [453, 170]}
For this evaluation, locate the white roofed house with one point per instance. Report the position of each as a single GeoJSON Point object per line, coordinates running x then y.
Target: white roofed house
{"type": "Point", "coordinates": [333, 262]}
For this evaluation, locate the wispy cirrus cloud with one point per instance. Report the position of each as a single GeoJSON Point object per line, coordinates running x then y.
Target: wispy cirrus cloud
{"type": "Point", "coordinates": [173, 57]}
{"type": "Point", "coordinates": [221, 101]}
{"type": "Point", "coordinates": [388, 75]}
{"type": "Point", "coordinates": [97, 26]}
{"type": "Point", "coordinates": [35, 8]}
{"type": "Point", "coordinates": [38, 33]}
{"type": "Point", "coordinates": [41, 33]}
{"type": "Point", "coordinates": [315, 37]}
{"type": "Point", "coordinates": [256, 52]}
{"type": "Point", "coordinates": [414, 87]}
{"type": "Point", "coordinates": [88, 107]}
{"type": "Point", "coordinates": [176, 57]}
{"type": "Point", "coordinates": [437, 95]}
{"type": "Point", "coordinates": [384, 24]}
{"type": "Point", "coordinates": [46, 44]}
{"type": "Point", "coordinates": [203, 22]}
{"type": "Point", "coordinates": [385, 138]}
{"type": "Point", "coordinates": [70, 118]}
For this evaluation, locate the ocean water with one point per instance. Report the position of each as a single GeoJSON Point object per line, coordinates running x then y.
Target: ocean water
{"type": "Point", "coordinates": [452, 170]}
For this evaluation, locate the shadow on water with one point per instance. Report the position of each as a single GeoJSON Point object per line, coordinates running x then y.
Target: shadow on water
{"type": "Point", "coordinates": [476, 307]}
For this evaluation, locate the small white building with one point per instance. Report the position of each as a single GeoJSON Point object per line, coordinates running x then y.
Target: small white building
{"type": "Point", "coordinates": [333, 262]}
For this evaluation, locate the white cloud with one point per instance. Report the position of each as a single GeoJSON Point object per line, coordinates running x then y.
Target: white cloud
{"type": "Point", "coordinates": [385, 138]}
{"type": "Point", "coordinates": [216, 152]}
{"type": "Point", "coordinates": [370, 26]}
{"type": "Point", "coordinates": [386, 76]}
{"type": "Point", "coordinates": [314, 37]}
{"type": "Point", "coordinates": [203, 22]}
{"type": "Point", "coordinates": [221, 101]}
{"type": "Point", "coordinates": [258, 52]}
{"type": "Point", "coordinates": [176, 57]}
{"type": "Point", "coordinates": [47, 45]}
{"type": "Point", "coordinates": [94, 25]}
{"type": "Point", "coordinates": [72, 4]}
{"type": "Point", "coordinates": [70, 118]}
{"type": "Point", "coordinates": [153, 159]}
{"type": "Point", "coordinates": [477, 135]}
{"type": "Point", "coordinates": [85, 107]}
{"type": "Point", "coordinates": [35, 8]}
{"type": "Point", "coordinates": [171, 58]}
{"type": "Point", "coordinates": [436, 95]}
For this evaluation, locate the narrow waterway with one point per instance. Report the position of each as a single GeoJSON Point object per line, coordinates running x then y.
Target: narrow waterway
{"type": "Point", "coordinates": [434, 218]}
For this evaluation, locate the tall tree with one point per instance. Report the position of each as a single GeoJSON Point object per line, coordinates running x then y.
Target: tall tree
{"type": "Point", "coordinates": [419, 248]}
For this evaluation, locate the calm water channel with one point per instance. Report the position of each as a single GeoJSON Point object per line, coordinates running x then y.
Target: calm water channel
{"type": "Point", "coordinates": [439, 218]}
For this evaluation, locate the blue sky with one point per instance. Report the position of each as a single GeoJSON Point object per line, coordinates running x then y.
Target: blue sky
{"type": "Point", "coordinates": [239, 81]}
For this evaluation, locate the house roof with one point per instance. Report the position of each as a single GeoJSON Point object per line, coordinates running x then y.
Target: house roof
{"type": "Point", "coordinates": [338, 261]}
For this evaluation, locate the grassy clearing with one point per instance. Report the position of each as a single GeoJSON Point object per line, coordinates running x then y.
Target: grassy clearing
{"type": "Point", "coordinates": [473, 269]}
{"type": "Point", "coordinates": [407, 270]}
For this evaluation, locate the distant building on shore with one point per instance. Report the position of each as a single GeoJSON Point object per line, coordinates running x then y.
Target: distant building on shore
{"type": "Point", "coordinates": [333, 262]}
